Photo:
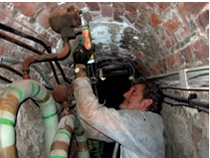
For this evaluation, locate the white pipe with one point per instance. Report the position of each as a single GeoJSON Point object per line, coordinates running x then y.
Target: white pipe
{"type": "Point", "coordinates": [60, 146]}
{"type": "Point", "coordinates": [9, 102]}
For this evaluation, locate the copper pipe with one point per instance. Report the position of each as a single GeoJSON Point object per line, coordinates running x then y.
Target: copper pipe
{"type": "Point", "coordinates": [46, 57]}
{"type": "Point", "coordinates": [17, 42]}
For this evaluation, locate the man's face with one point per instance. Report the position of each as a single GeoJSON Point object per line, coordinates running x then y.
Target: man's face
{"type": "Point", "coordinates": [134, 99]}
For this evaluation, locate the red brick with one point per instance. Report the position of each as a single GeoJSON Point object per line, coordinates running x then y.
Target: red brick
{"type": "Point", "coordinates": [105, 3]}
{"type": "Point", "coordinates": [66, 5]}
{"type": "Point", "coordinates": [2, 50]}
{"type": "Point", "coordinates": [142, 67]}
{"type": "Point", "coordinates": [178, 59]}
{"type": "Point", "coordinates": [80, 5]}
{"type": "Point", "coordinates": [182, 33]}
{"type": "Point", "coordinates": [141, 21]}
{"type": "Point", "coordinates": [154, 20]}
{"type": "Point", "coordinates": [170, 42]}
{"type": "Point", "coordinates": [155, 69]}
{"type": "Point", "coordinates": [43, 18]}
{"type": "Point", "coordinates": [28, 9]}
{"type": "Point", "coordinates": [6, 11]}
{"type": "Point", "coordinates": [51, 6]}
{"type": "Point", "coordinates": [119, 7]}
{"type": "Point", "coordinates": [163, 64]}
{"type": "Point", "coordinates": [93, 6]}
{"type": "Point", "coordinates": [171, 25]}
{"type": "Point", "coordinates": [131, 7]}
{"type": "Point", "coordinates": [203, 20]}
{"type": "Point", "coordinates": [106, 10]}
{"type": "Point", "coordinates": [146, 8]}
{"type": "Point", "coordinates": [162, 6]}
{"type": "Point", "coordinates": [190, 8]}
{"type": "Point", "coordinates": [169, 60]}
{"type": "Point", "coordinates": [140, 55]}
{"type": "Point", "coordinates": [131, 17]}
{"type": "Point", "coordinates": [201, 49]}
{"type": "Point", "coordinates": [119, 10]}
{"type": "Point", "coordinates": [187, 54]}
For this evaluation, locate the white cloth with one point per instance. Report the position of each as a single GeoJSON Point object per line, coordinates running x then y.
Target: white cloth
{"type": "Point", "coordinates": [139, 133]}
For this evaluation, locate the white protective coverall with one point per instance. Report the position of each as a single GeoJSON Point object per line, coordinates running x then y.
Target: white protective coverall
{"type": "Point", "coordinates": [139, 133]}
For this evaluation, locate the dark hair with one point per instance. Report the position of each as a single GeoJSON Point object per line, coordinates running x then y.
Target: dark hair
{"type": "Point", "coordinates": [152, 91]}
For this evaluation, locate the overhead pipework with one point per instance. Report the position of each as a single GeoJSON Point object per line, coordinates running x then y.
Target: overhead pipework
{"type": "Point", "coordinates": [63, 23]}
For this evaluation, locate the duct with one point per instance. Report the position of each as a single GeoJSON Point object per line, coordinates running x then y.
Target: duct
{"type": "Point", "coordinates": [9, 104]}
{"type": "Point", "coordinates": [61, 143]}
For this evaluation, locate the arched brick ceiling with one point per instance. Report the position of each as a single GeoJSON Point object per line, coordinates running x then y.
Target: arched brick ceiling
{"type": "Point", "coordinates": [158, 37]}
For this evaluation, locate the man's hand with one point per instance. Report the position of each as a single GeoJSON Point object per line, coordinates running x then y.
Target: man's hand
{"type": "Point", "coordinates": [81, 55]}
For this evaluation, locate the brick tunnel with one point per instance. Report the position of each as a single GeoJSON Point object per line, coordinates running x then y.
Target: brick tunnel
{"type": "Point", "coordinates": [167, 42]}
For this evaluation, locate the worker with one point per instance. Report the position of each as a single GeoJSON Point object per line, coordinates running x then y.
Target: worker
{"type": "Point", "coordinates": [137, 126]}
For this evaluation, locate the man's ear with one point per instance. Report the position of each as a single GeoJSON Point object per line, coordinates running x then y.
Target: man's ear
{"type": "Point", "coordinates": [147, 102]}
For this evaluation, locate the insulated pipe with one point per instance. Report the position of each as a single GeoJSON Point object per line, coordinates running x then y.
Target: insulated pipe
{"type": "Point", "coordinates": [60, 146]}
{"type": "Point", "coordinates": [9, 103]}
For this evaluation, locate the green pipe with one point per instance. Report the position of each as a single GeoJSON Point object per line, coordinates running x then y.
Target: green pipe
{"type": "Point", "coordinates": [10, 100]}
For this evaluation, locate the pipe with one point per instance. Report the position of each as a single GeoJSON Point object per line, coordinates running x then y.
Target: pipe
{"type": "Point", "coordinates": [47, 48]}
{"type": "Point", "coordinates": [17, 42]}
{"type": "Point", "coordinates": [5, 79]}
{"type": "Point", "coordinates": [17, 61]}
{"type": "Point", "coordinates": [9, 29]}
{"type": "Point", "coordinates": [48, 57]}
{"type": "Point", "coordinates": [9, 104]}
{"type": "Point", "coordinates": [191, 100]}
{"type": "Point", "coordinates": [11, 69]}
{"type": "Point", "coordinates": [60, 146]}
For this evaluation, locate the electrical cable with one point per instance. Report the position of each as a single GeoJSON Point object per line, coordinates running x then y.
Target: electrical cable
{"type": "Point", "coordinates": [5, 79]}
{"type": "Point", "coordinates": [47, 48]}
{"type": "Point", "coordinates": [16, 61]}
{"type": "Point", "coordinates": [14, 71]}
{"type": "Point", "coordinates": [11, 69]}
{"type": "Point", "coordinates": [187, 105]}
{"type": "Point", "coordinates": [191, 100]}
{"type": "Point", "coordinates": [9, 29]}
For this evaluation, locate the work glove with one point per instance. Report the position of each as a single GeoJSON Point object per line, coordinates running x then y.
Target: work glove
{"type": "Point", "coordinates": [81, 55]}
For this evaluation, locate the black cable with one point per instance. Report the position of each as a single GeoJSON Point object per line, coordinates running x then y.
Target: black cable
{"type": "Point", "coordinates": [9, 29]}
{"type": "Point", "coordinates": [187, 105]}
{"type": "Point", "coordinates": [179, 99]}
{"type": "Point", "coordinates": [5, 79]}
{"type": "Point", "coordinates": [48, 49]}
{"type": "Point", "coordinates": [62, 73]}
{"type": "Point", "coordinates": [16, 72]}
{"type": "Point", "coordinates": [199, 75]}
{"type": "Point", "coordinates": [191, 100]}
{"type": "Point", "coordinates": [11, 69]}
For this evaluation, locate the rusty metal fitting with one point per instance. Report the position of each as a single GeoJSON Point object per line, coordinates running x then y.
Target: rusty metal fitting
{"type": "Point", "coordinates": [64, 94]}
{"type": "Point", "coordinates": [69, 19]}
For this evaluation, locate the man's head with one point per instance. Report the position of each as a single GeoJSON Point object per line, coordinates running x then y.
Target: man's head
{"type": "Point", "coordinates": [144, 95]}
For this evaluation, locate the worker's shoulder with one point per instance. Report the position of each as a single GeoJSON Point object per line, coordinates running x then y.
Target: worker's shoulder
{"type": "Point", "coordinates": [138, 114]}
